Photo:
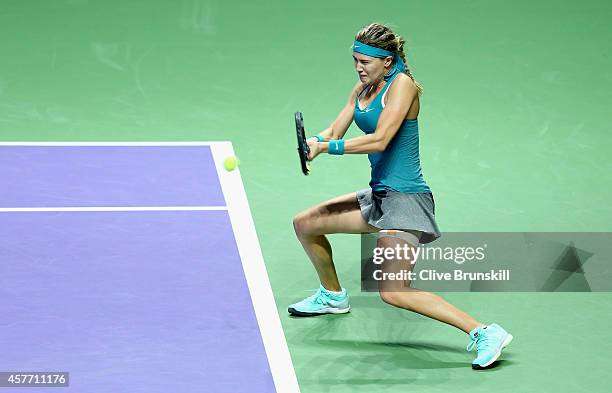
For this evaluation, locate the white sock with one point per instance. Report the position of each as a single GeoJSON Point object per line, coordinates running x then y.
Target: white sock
{"type": "Point", "coordinates": [335, 293]}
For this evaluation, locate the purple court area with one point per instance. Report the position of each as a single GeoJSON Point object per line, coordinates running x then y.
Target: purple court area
{"type": "Point", "coordinates": [140, 301]}
{"type": "Point", "coordinates": [59, 176]}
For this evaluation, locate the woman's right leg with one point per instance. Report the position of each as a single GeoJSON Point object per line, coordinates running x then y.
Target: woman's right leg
{"type": "Point", "coordinates": [337, 215]}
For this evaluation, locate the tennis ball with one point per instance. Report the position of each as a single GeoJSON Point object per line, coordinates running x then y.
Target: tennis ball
{"type": "Point", "coordinates": [231, 163]}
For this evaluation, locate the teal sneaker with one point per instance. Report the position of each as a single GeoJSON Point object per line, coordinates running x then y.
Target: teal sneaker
{"type": "Point", "coordinates": [322, 302]}
{"type": "Point", "coordinates": [489, 341]}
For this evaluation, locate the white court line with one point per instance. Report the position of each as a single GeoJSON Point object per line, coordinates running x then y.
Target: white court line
{"type": "Point", "coordinates": [110, 209]}
{"type": "Point", "coordinates": [270, 326]}
{"type": "Point", "coordinates": [186, 143]}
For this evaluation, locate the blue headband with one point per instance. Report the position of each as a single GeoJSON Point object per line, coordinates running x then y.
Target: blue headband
{"type": "Point", "coordinates": [364, 49]}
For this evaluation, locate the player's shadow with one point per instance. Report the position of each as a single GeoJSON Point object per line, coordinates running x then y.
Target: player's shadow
{"type": "Point", "coordinates": [500, 363]}
{"type": "Point", "coordinates": [411, 355]}
{"type": "Point", "coordinates": [321, 316]}
{"type": "Point", "coordinates": [392, 375]}
{"type": "Point", "coordinates": [376, 363]}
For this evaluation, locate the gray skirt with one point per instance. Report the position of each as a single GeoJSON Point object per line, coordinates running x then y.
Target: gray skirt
{"type": "Point", "coordinates": [400, 211]}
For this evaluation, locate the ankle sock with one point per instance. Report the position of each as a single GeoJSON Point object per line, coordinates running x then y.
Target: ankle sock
{"type": "Point", "coordinates": [334, 293]}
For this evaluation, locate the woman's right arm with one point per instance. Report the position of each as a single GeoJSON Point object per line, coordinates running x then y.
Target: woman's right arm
{"type": "Point", "coordinates": [339, 126]}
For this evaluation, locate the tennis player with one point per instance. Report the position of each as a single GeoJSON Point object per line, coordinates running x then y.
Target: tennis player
{"type": "Point", "coordinates": [398, 205]}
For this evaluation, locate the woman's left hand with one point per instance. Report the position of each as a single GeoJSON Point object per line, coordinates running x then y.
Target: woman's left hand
{"type": "Point", "coordinates": [315, 149]}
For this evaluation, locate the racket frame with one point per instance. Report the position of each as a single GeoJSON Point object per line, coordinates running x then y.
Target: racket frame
{"type": "Point", "coordinates": [303, 149]}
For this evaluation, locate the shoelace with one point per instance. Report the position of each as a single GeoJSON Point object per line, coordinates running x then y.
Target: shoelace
{"type": "Point", "coordinates": [316, 298]}
{"type": "Point", "coordinates": [481, 342]}
{"type": "Point", "coordinates": [319, 297]}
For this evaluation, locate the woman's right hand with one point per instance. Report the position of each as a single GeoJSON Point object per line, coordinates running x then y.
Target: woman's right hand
{"type": "Point", "coordinates": [315, 149]}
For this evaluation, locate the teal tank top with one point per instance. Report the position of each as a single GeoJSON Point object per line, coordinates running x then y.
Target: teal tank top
{"type": "Point", "coordinates": [398, 168]}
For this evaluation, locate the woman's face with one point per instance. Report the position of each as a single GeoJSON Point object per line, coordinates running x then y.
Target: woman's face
{"type": "Point", "coordinates": [370, 68]}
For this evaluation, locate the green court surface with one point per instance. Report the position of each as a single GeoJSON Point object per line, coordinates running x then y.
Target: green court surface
{"type": "Point", "coordinates": [515, 136]}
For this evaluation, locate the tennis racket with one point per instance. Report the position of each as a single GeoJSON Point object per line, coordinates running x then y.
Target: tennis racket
{"type": "Point", "coordinates": [303, 149]}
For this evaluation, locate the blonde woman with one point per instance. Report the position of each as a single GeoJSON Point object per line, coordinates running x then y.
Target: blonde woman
{"type": "Point", "coordinates": [398, 205]}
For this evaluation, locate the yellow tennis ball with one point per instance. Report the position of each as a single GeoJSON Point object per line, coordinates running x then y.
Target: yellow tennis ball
{"type": "Point", "coordinates": [231, 163]}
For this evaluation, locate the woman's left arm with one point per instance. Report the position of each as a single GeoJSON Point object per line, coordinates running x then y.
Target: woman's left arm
{"type": "Point", "coordinates": [400, 97]}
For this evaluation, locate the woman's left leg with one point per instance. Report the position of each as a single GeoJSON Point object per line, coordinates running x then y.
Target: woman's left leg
{"type": "Point", "coordinates": [400, 294]}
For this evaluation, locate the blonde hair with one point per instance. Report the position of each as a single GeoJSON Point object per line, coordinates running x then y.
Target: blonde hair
{"type": "Point", "coordinates": [381, 36]}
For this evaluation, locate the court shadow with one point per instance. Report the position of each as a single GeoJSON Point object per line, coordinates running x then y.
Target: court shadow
{"type": "Point", "coordinates": [320, 316]}
{"type": "Point", "coordinates": [382, 369]}
{"type": "Point", "coordinates": [422, 346]}
{"type": "Point", "coordinates": [378, 371]}
{"type": "Point", "coordinates": [407, 355]}
{"type": "Point", "coordinates": [375, 382]}
{"type": "Point", "coordinates": [498, 365]}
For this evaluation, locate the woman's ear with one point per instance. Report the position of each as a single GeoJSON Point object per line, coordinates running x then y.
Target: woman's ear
{"type": "Point", "coordinates": [388, 61]}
